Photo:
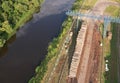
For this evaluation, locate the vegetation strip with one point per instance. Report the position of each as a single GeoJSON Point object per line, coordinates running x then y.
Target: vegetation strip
{"type": "Point", "coordinates": [54, 47]}
{"type": "Point", "coordinates": [111, 53]}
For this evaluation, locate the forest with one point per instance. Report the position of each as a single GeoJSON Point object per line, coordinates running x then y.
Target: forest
{"type": "Point", "coordinates": [13, 14]}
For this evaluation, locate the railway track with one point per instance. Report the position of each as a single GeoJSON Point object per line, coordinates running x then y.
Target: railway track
{"type": "Point", "coordinates": [67, 56]}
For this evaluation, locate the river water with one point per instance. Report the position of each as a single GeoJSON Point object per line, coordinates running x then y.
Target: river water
{"type": "Point", "coordinates": [23, 52]}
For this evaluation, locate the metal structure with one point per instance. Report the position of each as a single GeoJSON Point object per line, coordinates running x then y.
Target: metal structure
{"type": "Point", "coordinates": [106, 19]}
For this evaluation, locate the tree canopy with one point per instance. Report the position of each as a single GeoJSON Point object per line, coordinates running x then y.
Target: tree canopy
{"type": "Point", "coordinates": [12, 11]}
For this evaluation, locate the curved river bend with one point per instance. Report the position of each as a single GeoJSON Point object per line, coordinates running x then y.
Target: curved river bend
{"type": "Point", "coordinates": [23, 52]}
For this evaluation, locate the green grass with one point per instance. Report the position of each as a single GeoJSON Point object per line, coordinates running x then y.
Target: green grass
{"type": "Point", "coordinates": [88, 4]}
{"type": "Point", "coordinates": [112, 10]}
{"type": "Point", "coordinates": [83, 4]}
{"type": "Point", "coordinates": [112, 75]}
{"type": "Point", "coordinates": [116, 0]}
{"type": "Point", "coordinates": [112, 54]}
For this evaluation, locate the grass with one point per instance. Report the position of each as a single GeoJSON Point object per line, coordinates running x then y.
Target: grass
{"type": "Point", "coordinates": [112, 10]}
{"type": "Point", "coordinates": [112, 75]}
{"type": "Point", "coordinates": [116, 0]}
{"type": "Point", "coordinates": [88, 4]}
{"type": "Point", "coordinates": [52, 63]}
{"type": "Point", "coordinates": [111, 51]}
{"type": "Point", "coordinates": [107, 50]}
{"type": "Point", "coordinates": [50, 67]}
{"type": "Point", "coordinates": [83, 5]}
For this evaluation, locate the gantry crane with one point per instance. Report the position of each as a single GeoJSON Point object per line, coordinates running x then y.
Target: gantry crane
{"type": "Point", "coordinates": [105, 19]}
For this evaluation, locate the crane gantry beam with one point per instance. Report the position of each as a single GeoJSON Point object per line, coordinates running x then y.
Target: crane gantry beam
{"type": "Point", "coordinates": [106, 19]}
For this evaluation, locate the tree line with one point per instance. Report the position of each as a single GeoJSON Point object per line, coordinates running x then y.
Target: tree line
{"type": "Point", "coordinates": [12, 12]}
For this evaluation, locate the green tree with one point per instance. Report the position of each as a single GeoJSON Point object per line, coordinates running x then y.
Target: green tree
{"type": "Point", "coordinates": [5, 6]}
{"type": "Point", "coordinates": [6, 27]}
{"type": "Point", "coordinates": [35, 2]}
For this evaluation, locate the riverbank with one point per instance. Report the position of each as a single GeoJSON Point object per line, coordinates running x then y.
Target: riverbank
{"type": "Point", "coordinates": [29, 47]}
{"type": "Point", "coordinates": [24, 18]}
{"type": "Point", "coordinates": [43, 71]}
{"type": "Point", "coordinates": [53, 51]}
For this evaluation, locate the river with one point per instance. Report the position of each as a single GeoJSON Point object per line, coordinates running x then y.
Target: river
{"type": "Point", "coordinates": [23, 52]}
